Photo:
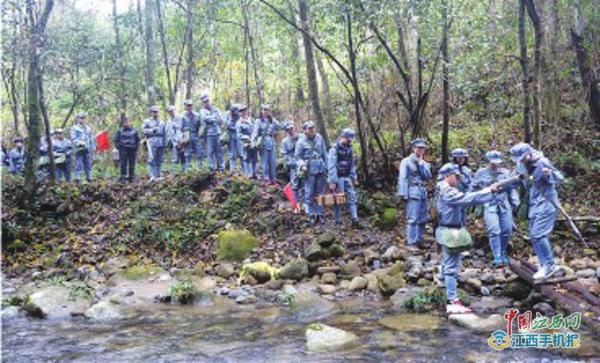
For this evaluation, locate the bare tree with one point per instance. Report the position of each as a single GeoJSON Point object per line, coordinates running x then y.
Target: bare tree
{"type": "Point", "coordinates": [524, 71]}
{"type": "Point", "coordinates": [253, 51]}
{"type": "Point", "coordinates": [313, 87]}
{"type": "Point", "coordinates": [149, 42]}
{"type": "Point", "coordinates": [163, 42]}
{"type": "Point", "coordinates": [121, 91]}
{"type": "Point", "coordinates": [537, 72]}
{"type": "Point", "coordinates": [445, 82]}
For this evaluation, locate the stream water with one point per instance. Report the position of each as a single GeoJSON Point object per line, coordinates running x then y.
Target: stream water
{"type": "Point", "coordinates": [224, 332]}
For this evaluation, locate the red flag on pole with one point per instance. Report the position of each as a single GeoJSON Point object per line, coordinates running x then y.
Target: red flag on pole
{"type": "Point", "coordinates": [289, 194]}
{"type": "Point", "coordinates": [102, 141]}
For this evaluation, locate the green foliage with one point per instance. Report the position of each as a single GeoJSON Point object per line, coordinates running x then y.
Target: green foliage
{"type": "Point", "coordinates": [431, 298]}
{"type": "Point", "coordinates": [139, 272]}
{"type": "Point", "coordinates": [183, 292]}
{"type": "Point", "coordinates": [235, 245]}
{"type": "Point", "coordinates": [241, 194]}
{"type": "Point", "coordinates": [388, 218]}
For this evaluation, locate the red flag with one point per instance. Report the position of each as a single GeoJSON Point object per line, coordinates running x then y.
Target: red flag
{"type": "Point", "coordinates": [102, 142]}
{"type": "Point", "coordinates": [289, 194]}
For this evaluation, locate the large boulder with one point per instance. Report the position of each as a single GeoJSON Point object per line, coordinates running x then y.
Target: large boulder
{"type": "Point", "coordinates": [106, 311]}
{"type": "Point", "coordinates": [225, 270]}
{"type": "Point", "coordinates": [358, 283]}
{"type": "Point", "coordinates": [235, 245]}
{"type": "Point", "coordinates": [326, 239]}
{"type": "Point", "coordinates": [55, 302]}
{"type": "Point", "coordinates": [486, 324]}
{"type": "Point", "coordinates": [294, 270]}
{"type": "Point", "coordinates": [392, 280]}
{"type": "Point", "coordinates": [321, 337]}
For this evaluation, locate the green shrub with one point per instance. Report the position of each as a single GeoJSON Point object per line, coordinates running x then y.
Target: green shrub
{"type": "Point", "coordinates": [387, 219]}
{"type": "Point", "coordinates": [235, 245]}
{"type": "Point", "coordinates": [183, 291]}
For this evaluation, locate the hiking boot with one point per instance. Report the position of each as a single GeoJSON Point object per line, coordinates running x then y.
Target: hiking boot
{"type": "Point", "coordinates": [355, 224]}
{"type": "Point", "coordinates": [506, 260]}
{"type": "Point", "coordinates": [456, 307]}
{"type": "Point", "coordinates": [498, 262]}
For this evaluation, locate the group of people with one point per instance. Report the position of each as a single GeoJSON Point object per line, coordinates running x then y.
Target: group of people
{"type": "Point", "coordinates": [80, 145]}
{"type": "Point", "coordinates": [201, 135]}
{"type": "Point", "coordinates": [493, 186]}
{"type": "Point", "coordinates": [313, 171]}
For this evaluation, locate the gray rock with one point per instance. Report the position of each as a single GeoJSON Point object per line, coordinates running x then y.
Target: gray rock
{"type": "Point", "coordinates": [471, 321]}
{"type": "Point", "coordinates": [105, 311]}
{"type": "Point", "coordinates": [55, 301]}
{"type": "Point", "coordinates": [487, 277]}
{"type": "Point", "coordinates": [308, 306]}
{"type": "Point", "coordinates": [246, 299]}
{"type": "Point", "coordinates": [326, 239]}
{"type": "Point", "coordinates": [274, 284]}
{"type": "Point", "coordinates": [329, 278]}
{"type": "Point", "coordinates": [351, 268]}
{"type": "Point", "coordinates": [587, 273]}
{"type": "Point", "coordinates": [289, 289]}
{"type": "Point", "coordinates": [235, 293]}
{"type": "Point", "coordinates": [402, 296]}
{"type": "Point", "coordinates": [391, 254]}
{"type": "Point", "coordinates": [489, 304]}
{"type": "Point", "coordinates": [321, 337]}
{"type": "Point", "coordinates": [326, 289]}
{"type": "Point", "coordinates": [9, 312]}
{"type": "Point", "coordinates": [370, 255]}
{"type": "Point", "coordinates": [295, 270]}
{"type": "Point", "coordinates": [358, 283]}
{"type": "Point", "coordinates": [225, 270]}
{"type": "Point", "coordinates": [598, 272]}
{"type": "Point", "coordinates": [314, 252]}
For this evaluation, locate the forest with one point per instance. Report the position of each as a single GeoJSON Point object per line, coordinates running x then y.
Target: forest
{"type": "Point", "coordinates": [481, 75]}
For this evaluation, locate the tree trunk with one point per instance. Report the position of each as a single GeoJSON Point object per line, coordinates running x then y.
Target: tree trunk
{"type": "Point", "coordinates": [189, 74]}
{"type": "Point", "coordinates": [253, 53]}
{"type": "Point", "coordinates": [149, 37]}
{"type": "Point", "coordinates": [163, 42]}
{"type": "Point", "coordinates": [313, 87]}
{"type": "Point", "coordinates": [36, 31]}
{"type": "Point", "coordinates": [121, 91]}
{"type": "Point", "coordinates": [328, 109]}
{"type": "Point", "coordinates": [537, 73]}
{"type": "Point", "coordinates": [445, 82]}
{"type": "Point", "coordinates": [524, 71]}
{"type": "Point", "coordinates": [357, 115]}
{"type": "Point", "coordinates": [591, 83]}
{"type": "Point", "coordinates": [295, 45]}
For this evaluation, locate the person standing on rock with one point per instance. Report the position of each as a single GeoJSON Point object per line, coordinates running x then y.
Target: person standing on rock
{"type": "Point", "coordinates": [193, 120]}
{"type": "Point", "coordinates": [230, 124]}
{"type": "Point", "coordinates": [413, 174]}
{"type": "Point", "coordinates": [155, 132]}
{"type": "Point", "coordinates": [450, 203]}
{"type": "Point", "coordinates": [288, 151]}
{"type": "Point", "coordinates": [84, 143]}
{"type": "Point", "coordinates": [244, 128]}
{"type": "Point", "coordinates": [341, 174]}
{"type": "Point", "coordinates": [312, 156]}
{"type": "Point", "coordinates": [263, 138]}
{"type": "Point", "coordinates": [127, 141]}
{"type": "Point", "coordinates": [178, 132]}
{"type": "Point", "coordinates": [460, 158]}
{"type": "Point", "coordinates": [497, 214]}
{"type": "Point", "coordinates": [16, 157]}
{"type": "Point", "coordinates": [542, 179]}
{"type": "Point", "coordinates": [62, 149]}
{"type": "Point", "coordinates": [212, 120]}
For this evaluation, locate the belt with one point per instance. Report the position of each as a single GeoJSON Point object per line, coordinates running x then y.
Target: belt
{"type": "Point", "coordinates": [451, 225]}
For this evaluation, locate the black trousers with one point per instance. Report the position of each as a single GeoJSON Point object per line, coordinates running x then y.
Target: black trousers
{"type": "Point", "coordinates": [127, 160]}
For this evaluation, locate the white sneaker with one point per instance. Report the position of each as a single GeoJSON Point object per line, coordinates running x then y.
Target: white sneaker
{"type": "Point", "coordinates": [546, 272]}
{"type": "Point", "coordinates": [456, 307]}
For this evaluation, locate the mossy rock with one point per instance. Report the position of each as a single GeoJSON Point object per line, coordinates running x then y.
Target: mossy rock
{"type": "Point", "coordinates": [235, 245]}
{"type": "Point", "coordinates": [139, 272]}
{"type": "Point", "coordinates": [387, 219]}
{"type": "Point", "coordinates": [335, 250]}
{"type": "Point", "coordinates": [314, 252]}
{"type": "Point", "coordinates": [326, 239]}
